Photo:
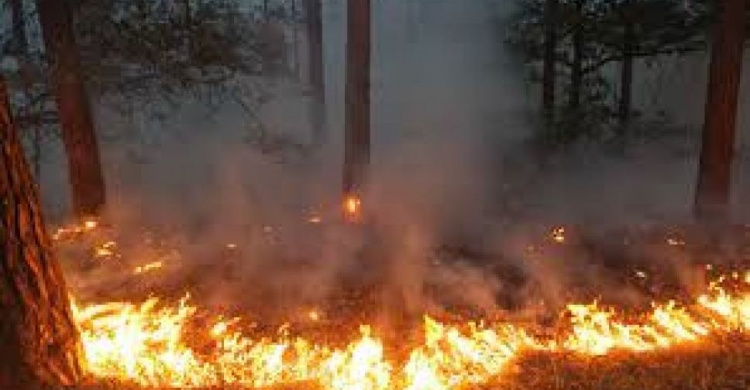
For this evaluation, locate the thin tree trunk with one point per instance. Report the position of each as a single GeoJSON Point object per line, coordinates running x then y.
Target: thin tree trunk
{"type": "Point", "coordinates": [39, 339]}
{"type": "Point", "coordinates": [714, 177]}
{"type": "Point", "coordinates": [626, 77]}
{"type": "Point", "coordinates": [316, 69]}
{"type": "Point", "coordinates": [295, 41]}
{"type": "Point", "coordinates": [576, 75]}
{"type": "Point", "coordinates": [20, 43]}
{"type": "Point", "coordinates": [73, 106]}
{"type": "Point", "coordinates": [357, 142]}
{"type": "Point", "coordinates": [549, 78]}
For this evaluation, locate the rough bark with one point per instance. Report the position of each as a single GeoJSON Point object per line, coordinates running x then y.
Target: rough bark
{"type": "Point", "coordinates": [38, 336]}
{"type": "Point", "coordinates": [576, 73]}
{"type": "Point", "coordinates": [714, 177]}
{"type": "Point", "coordinates": [357, 138]}
{"type": "Point", "coordinates": [626, 77]}
{"type": "Point", "coordinates": [73, 106]}
{"type": "Point", "coordinates": [549, 78]}
{"type": "Point", "coordinates": [316, 69]}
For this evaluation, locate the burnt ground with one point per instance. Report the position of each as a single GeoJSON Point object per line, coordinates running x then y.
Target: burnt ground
{"type": "Point", "coordinates": [627, 267]}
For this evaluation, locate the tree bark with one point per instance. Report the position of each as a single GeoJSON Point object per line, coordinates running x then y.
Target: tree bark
{"type": "Point", "coordinates": [316, 69]}
{"type": "Point", "coordinates": [714, 177]}
{"type": "Point", "coordinates": [39, 339]}
{"type": "Point", "coordinates": [549, 77]}
{"type": "Point", "coordinates": [576, 75]}
{"type": "Point", "coordinates": [626, 77]}
{"type": "Point", "coordinates": [357, 138]}
{"type": "Point", "coordinates": [79, 136]}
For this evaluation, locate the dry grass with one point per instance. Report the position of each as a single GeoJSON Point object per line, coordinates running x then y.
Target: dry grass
{"type": "Point", "coordinates": [719, 364]}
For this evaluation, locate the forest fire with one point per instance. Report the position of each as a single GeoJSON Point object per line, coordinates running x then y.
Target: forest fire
{"type": "Point", "coordinates": [153, 343]}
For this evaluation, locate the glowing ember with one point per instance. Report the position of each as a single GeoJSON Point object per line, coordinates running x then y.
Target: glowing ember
{"type": "Point", "coordinates": [106, 250]}
{"type": "Point", "coordinates": [90, 224]}
{"type": "Point", "coordinates": [162, 346]}
{"type": "Point", "coordinates": [558, 235]}
{"type": "Point", "coordinates": [352, 207]}
{"type": "Point", "coordinates": [148, 267]}
{"type": "Point", "coordinates": [71, 231]}
{"type": "Point", "coordinates": [314, 315]}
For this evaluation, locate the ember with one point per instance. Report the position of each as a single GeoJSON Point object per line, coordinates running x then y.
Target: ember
{"type": "Point", "coordinates": [352, 207]}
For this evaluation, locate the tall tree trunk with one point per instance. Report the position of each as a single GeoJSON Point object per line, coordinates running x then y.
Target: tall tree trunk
{"type": "Point", "coordinates": [357, 142]}
{"type": "Point", "coordinates": [714, 177]}
{"type": "Point", "coordinates": [295, 41]}
{"type": "Point", "coordinates": [549, 78]}
{"type": "Point", "coordinates": [626, 77]}
{"type": "Point", "coordinates": [20, 43]}
{"type": "Point", "coordinates": [73, 106]}
{"type": "Point", "coordinates": [39, 339]}
{"type": "Point", "coordinates": [576, 75]}
{"type": "Point", "coordinates": [316, 69]}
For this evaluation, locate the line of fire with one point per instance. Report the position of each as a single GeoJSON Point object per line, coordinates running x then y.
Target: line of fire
{"type": "Point", "coordinates": [374, 195]}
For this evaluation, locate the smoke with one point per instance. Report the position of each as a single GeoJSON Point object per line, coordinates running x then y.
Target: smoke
{"type": "Point", "coordinates": [459, 212]}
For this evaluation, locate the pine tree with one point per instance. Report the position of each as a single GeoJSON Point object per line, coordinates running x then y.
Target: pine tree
{"type": "Point", "coordinates": [714, 177]}
{"type": "Point", "coordinates": [73, 107]}
{"type": "Point", "coordinates": [40, 345]}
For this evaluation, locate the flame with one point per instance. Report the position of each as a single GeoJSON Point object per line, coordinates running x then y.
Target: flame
{"type": "Point", "coordinates": [106, 250]}
{"type": "Point", "coordinates": [155, 345]}
{"type": "Point", "coordinates": [74, 230]}
{"type": "Point", "coordinates": [558, 235]}
{"type": "Point", "coordinates": [158, 345]}
{"type": "Point", "coordinates": [352, 206]}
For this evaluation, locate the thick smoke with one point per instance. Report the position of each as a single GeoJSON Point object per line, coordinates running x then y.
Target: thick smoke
{"type": "Point", "coordinates": [459, 212]}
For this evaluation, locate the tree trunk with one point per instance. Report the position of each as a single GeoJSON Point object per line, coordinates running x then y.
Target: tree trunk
{"type": "Point", "coordinates": [714, 177]}
{"type": "Point", "coordinates": [20, 43]}
{"type": "Point", "coordinates": [73, 106]}
{"type": "Point", "coordinates": [38, 336]}
{"type": "Point", "coordinates": [549, 78]}
{"type": "Point", "coordinates": [316, 69]}
{"type": "Point", "coordinates": [626, 77]}
{"type": "Point", "coordinates": [576, 75]}
{"type": "Point", "coordinates": [357, 139]}
{"type": "Point", "coordinates": [295, 41]}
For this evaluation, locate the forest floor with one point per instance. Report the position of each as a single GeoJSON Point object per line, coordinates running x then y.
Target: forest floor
{"type": "Point", "coordinates": [720, 362]}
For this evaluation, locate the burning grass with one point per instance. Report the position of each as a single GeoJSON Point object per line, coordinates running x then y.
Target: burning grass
{"type": "Point", "coordinates": [159, 343]}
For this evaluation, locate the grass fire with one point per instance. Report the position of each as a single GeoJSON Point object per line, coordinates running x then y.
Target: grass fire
{"type": "Point", "coordinates": [374, 195]}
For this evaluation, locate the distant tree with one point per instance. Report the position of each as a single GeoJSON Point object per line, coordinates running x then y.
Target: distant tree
{"type": "Point", "coordinates": [19, 42]}
{"type": "Point", "coordinates": [549, 77]}
{"type": "Point", "coordinates": [645, 29]}
{"type": "Point", "coordinates": [714, 177]}
{"type": "Point", "coordinates": [357, 139]}
{"type": "Point", "coordinates": [40, 344]}
{"type": "Point", "coordinates": [147, 47]}
{"type": "Point", "coordinates": [593, 35]}
{"type": "Point", "coordinates": [73, 107]}
{"type": "Point", "coordinates": [316, 71]}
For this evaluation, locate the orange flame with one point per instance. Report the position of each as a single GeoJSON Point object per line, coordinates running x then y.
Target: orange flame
{"type": "Point", "coordinates": [159, 346]}
{"type": "Point", "coordinates": [352, 207]}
